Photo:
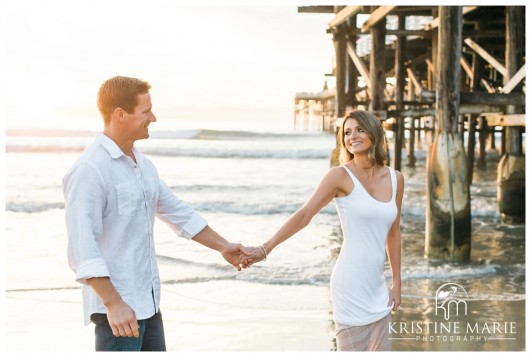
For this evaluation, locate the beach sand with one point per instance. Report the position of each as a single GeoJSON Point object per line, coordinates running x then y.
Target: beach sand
{"type": "Point", "coordinates": [44, 313]}
{"type": "Point", "coordinates": [226, 316]}
{"type": "Point", "coordinates": [209, 316]}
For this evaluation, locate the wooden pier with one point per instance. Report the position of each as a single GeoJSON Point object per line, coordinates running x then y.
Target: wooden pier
{"type": "Point", "coordinates": [445, 70]}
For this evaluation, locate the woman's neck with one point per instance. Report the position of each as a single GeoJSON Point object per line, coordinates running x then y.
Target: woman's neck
{"type": "Point", "coordinates": [363, 163]}
{"type": "Point", "coordinates": [364, 167]}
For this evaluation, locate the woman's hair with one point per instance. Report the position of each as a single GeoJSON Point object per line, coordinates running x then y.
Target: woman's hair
{"type": "Point", "coordinates": [120, 92]}
{"type": "Point", "coordinates": [373, 127]}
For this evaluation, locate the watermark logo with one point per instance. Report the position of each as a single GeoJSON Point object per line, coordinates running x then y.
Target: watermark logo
{"type": "Point", "coordinates": [450, 298]}
{"type": "Point", "coordinates": [451, 321]}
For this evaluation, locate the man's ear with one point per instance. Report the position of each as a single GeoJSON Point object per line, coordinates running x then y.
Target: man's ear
{"type": "Point", "coordinates": [119, 114]}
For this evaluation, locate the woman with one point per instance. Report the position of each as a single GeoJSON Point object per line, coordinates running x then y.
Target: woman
{"type": "Point", "coordinates": [368, 198]}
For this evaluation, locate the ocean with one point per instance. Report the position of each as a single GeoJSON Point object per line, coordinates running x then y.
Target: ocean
{"type": "Point", "coordinates": [246, 183]}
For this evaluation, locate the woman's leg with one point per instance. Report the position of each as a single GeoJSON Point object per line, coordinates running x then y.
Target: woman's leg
{"type": "Point", "coordinates": [372, 337]}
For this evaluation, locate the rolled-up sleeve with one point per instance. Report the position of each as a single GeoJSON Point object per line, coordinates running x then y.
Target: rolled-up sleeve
{"type": "Point", "coordinates": [183, 219]}
{"type": "Point", "coordinates": [84, 192]}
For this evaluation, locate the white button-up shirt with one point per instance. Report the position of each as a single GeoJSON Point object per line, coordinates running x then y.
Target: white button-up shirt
{"type": "Point", "coordinates": [110, 206]}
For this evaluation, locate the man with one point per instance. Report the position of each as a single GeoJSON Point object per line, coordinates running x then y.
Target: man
{"type": "Point", "coordinates": [112, 194]}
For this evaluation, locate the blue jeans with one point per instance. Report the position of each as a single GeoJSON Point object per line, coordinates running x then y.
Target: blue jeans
{"type": "Point", "coordinates": [151, 335]}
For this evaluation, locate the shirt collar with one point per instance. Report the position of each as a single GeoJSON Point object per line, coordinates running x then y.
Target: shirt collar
{"type": "Point", "coordinates": [114, 151]}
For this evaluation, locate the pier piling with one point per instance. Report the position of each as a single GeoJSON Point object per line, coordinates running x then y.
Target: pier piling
{"type": "Point", "coordinates": [448, 221]}
{"type": "Point", "coordinates": [395, 65]}
{"type": "Point", "coordinates": [511, 168]}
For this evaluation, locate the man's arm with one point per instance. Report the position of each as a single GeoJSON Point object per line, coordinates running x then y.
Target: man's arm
{"type": "Point", "coordinates": [122, 318]}
{"type": "Point", "coordinates": [84, 203]}
{"type": "Point", "coordinates": [187, 223]}
{"type": "Point", "coordinates": [211, 239]}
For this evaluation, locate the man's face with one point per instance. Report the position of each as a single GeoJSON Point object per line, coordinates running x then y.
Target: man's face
{"type": "Point", "coordinates": [137, 123]}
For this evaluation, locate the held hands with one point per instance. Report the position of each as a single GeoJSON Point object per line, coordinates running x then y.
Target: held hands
{"type": "Point", "coordinates": [243, 257]}
{"type": "Point", "coordinates": [253, 255]}
{"type": "Point", "coordinates": [232, 254]}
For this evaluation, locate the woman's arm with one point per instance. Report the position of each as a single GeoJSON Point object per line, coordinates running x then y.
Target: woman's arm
{"type": "Point", "coordinates": [394, 247]}
{"type": "Point", "coordinates": [329, 187]}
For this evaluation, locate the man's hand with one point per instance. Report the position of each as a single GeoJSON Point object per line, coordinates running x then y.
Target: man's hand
{"type": "Point", "coordinates": [232, 254]}
{"type": "Point", "coordinates": [230, 251]}
{"type": "Point", "coordinates": [122, 320]}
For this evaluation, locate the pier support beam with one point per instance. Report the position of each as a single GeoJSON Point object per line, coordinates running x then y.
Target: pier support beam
{"type": "Point", "coordinates": [483, 133]}
{"type": "Point", "coordinates": [471, 145]}
{"type": "Point", "coordinates": [340, 45]}
{"type": "Point", "coordinates": [352, 71]}
{"type": "Point", "coordinates": [473, 118]}
{"type": "Point", "coordinates": [448, 221]}
{"type": "Point", "coordinates": [411, 148]}
{"type": "Point", "coordinates": [511, 168]}
{"type": "Point", "coordinates": [400, 75]}
{"type": "Point", "coordinates": [377, 65]}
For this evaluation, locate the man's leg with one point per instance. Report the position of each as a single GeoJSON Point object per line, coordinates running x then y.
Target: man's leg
{"type": "Point", "coordinates": [154, 339]}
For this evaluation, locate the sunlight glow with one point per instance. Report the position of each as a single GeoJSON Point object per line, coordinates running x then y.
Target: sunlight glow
{"type": "Point", "coordinates": [232, 62]}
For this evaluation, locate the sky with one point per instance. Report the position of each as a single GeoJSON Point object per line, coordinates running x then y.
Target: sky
{"type": "Point", "coordinates": [204, 62]}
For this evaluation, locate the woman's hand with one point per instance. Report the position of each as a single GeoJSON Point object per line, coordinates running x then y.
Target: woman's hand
{"type": "Point", "coordinates": [252, 255]}
{"type": "Point", "coordinates": [395, 296]}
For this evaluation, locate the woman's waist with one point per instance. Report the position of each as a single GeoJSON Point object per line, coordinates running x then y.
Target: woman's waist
{"type": "Point", "coordinates": [355, 253]}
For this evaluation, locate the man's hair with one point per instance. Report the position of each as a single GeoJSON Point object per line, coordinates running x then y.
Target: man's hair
{"type": "Point", "coordinates": [120, 92]}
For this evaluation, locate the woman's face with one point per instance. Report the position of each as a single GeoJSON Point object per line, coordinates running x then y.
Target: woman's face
{"type": "Point", "coordinates": [356, 139]}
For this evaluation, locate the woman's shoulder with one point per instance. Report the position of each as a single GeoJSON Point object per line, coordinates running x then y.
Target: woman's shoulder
{"type": "Point", "coordinates": [337, 174]}
{"type": "Point", "coordinates": [337, 168]}
{"type": "Point", "coordinates": [338, 177]}
{"type": "Point", "coordinates": [342, 170]}
{"type": "Point", "coordinates": [398, 174]}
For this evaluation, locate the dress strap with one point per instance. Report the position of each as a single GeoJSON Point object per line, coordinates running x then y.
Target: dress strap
{"type": "Point", "coordinates": [351, 174]}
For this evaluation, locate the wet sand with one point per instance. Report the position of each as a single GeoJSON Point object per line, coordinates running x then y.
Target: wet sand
{"type": "Point", "coordinates": [212, 316]}
{"type": "Point", "coordinates": [223, 316]}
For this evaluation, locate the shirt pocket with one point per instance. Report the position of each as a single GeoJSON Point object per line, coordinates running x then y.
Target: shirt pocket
{"type": "Point", "coordinates": [129, 197]}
